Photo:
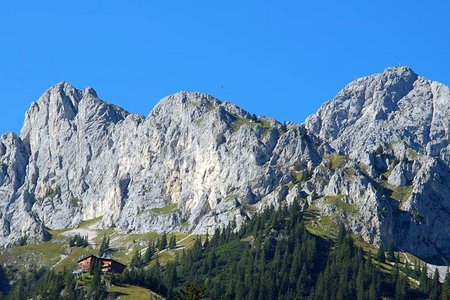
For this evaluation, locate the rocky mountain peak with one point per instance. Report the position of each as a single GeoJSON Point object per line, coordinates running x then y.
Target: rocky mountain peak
{"type": "Point", "coordinates": [64, 106]}
{"type": "Point", "coordinates": [400, 71]}
{"type": "Point", "coordinates": [377, 106]}
{"type": "Point", "coordinates": [186, 102]}
{"type": "Point", "coordinates": [371, 157]}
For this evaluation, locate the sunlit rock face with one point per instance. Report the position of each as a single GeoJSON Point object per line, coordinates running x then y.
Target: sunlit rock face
{"type": "Point", "coordinates": [375, 157]}
{"type": "Point", "coordinates": [193, 164]}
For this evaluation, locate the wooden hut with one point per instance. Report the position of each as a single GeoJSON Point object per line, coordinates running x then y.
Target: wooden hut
{"type": "Point", "coordinates": [107, 265]}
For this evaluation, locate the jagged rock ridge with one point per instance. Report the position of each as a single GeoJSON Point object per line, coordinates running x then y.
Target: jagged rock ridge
{"type": "Point", "coordinates": [193, 164]}
{"type": "Point", "coordinates": [375, 157]}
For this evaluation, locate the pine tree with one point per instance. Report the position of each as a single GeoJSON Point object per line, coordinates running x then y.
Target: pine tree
{"type": "Point", "coordinates": [424, 285]}
{"type": "Point", "coordinates": [149, 252]}
{"type": "Point", "coordinates": [341, 233]}
{"type": "Point", "coordinates": [97, 288]}
{"type": "Point", "coordinates": [163, 242]}
{"type": "Point", "coordinates": [390, 252]}
{"type": "Point", "coordinates": [445, 295]}
{"type": "Point", "coordinates": [380, 254]}
{"type": "Point", "coordinates": [206, 242]}
{"type": "Point", "coordinates": [435, 286]}
{"type": "Point", "coordinates": [172, 242]}
{"type": "Point", "coordinates": [192, 292]}
{"type": "Point", "coordinates": [69, 290]}
{"type": "Point", "coordinates": [104, 246]}
{"type": "Point", "coordinates": [136, 260]}
{"type": "Point", "coordinates": [400, 288]}
{"type": "Point", "coordinates": [4, 281]}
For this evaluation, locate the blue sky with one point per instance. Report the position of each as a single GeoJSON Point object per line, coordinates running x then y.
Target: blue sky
{"type": "Point", "coordinates": [277, 58]}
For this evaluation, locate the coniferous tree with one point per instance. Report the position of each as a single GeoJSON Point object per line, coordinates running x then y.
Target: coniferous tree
{"type": "Point", "coordinates": [97, 288]}
{"type": "Point", "coordinates": [172, 242]}
{"type": "Point", "coordinates": [341, 233]}
{"type": "Point", "coordinates": [136, 260]}
{"type": "Point", "coordinates": [435, 286]}
{"type": "Point", "coordinates": [424, 285]}
{"type": "Point", "coordinates": [69, 289]}
{"type": "Point", "coordinates": [104, 246]}
{"type": "Point", "coordinates": [78, 241]}
{"type": "Point", "coordinates": [163, 242]}
{"type": "Point", "coordinates": [445, 295]}
{"type": "Point", "coordinates": [149, 252]}
{"type": "Point", "coordinates": [390, 252]}
{"type": "Point", "coordinates": [380, 254]}
{"type": "Point", "coordinates": [273, 256]}
{"type": "Point", "coordinates": [191, 292]}
{"type": "Point", "coordinates": [4, 282]}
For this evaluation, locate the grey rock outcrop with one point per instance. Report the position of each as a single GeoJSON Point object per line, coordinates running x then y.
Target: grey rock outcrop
{"type": "Point", "coordinates": [376, 157]}
{"type": "Point", "coordinates": [396, 125]}
{"type": "Point", "coordinates": [193, 164]}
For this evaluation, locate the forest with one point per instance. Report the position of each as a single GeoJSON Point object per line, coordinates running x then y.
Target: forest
{"type": "Point", "coordinates": [273, 256]}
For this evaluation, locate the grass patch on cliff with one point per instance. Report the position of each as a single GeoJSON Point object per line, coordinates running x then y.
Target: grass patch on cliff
{"type": "Point", "coordinates": [301, 176]}
{"type": "Point", "coordinates": [239, 122]}
{"type": "Point", "coordinates": [388, 173]}
{"type": "Point", "coordinates": [230, 197]}
{"type": "Point", "coordinates": [336, 161]}
{"type": "Point", "coordinates": [249, 208]}
{"type": "Point", "coordinates": [351, 172]}
{"type": "Point", "coordinates": [70, 261]}
{"type": "Point", "coordinates": [87, 223]}
{"type": "Point", "coordinates": [40, 254]}
{"type": "Point", "coordinates": [315, 229]}
{"type": "Point", "coordinates": [265, 124]}
{"type": "Point", "coordinates": [402, 194]}
{"type": "Point", "coordinates": [317, 224]}
{"type": "Point", "coordinates": [56, 233]}
{"type": "Point", "coordinates": [337, 201]}
{"type": "Point", "coordinates": [75, 202]}
{"type": "Point", "coordinates": [165, 210]}
{"type": "Point", "coordinates": [52, 193]}
{"type": "Point", "coordinates": [262, 122]}
{"type": "Point", "coordinates": [412, 154]}
{"type": "Point", "coordinates": [131, 292]}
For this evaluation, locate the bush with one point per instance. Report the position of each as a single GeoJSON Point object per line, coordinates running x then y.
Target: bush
{"type": "Point", "coordinates": [78, 241]}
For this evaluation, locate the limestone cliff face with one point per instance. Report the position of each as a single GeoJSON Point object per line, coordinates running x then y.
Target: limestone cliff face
{"type": "Point", "coordinates": [396, 126]}
{"type": "Point", "coordinates": [375, 157]}
{"type": "Point", "coordinates": [193, 164]}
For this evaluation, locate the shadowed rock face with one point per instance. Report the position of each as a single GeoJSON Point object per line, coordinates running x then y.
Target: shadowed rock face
{"type": "Point", "coordinates": [375, 157]}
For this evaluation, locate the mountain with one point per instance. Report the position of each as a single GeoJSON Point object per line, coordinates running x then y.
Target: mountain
{"type": "Point", "coordinates": [375, 157]}
{"type": "Point", "coordinates": [395, 124]}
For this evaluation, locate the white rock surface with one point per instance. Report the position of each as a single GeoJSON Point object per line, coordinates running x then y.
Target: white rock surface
{"type": "Point", "coordinates": [199, 160]}
{"type": "Point", "coordinates": [375, 157]}
{"type": "Point", "coordinates": [396, 123]}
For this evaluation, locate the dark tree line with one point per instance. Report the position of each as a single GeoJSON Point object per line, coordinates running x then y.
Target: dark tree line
{"type": "Point", "coordinates": [78, 241]}
{"type": "Point", "coordinates": [44, 283]}
{"type": "Point", "coordinates": [272, 256]}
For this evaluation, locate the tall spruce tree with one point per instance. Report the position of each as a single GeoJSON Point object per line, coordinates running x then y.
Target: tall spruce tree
{"type": "Point", "coordinates": [172, 242]}
{"type": "Point", "coordinates": [380, 253]}
{"type": "Point", "coordinates": [163, 242]}
{"type": "Point", "coordinates": [390, 252]}
{"type": "Point", "coordinates": [149, 252]}
{"type": "Point", "coordinates": [104, 246]}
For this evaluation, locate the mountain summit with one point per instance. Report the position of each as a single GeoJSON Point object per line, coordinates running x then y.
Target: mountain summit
{"type": "Point", "coordinates": [375, 157]}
